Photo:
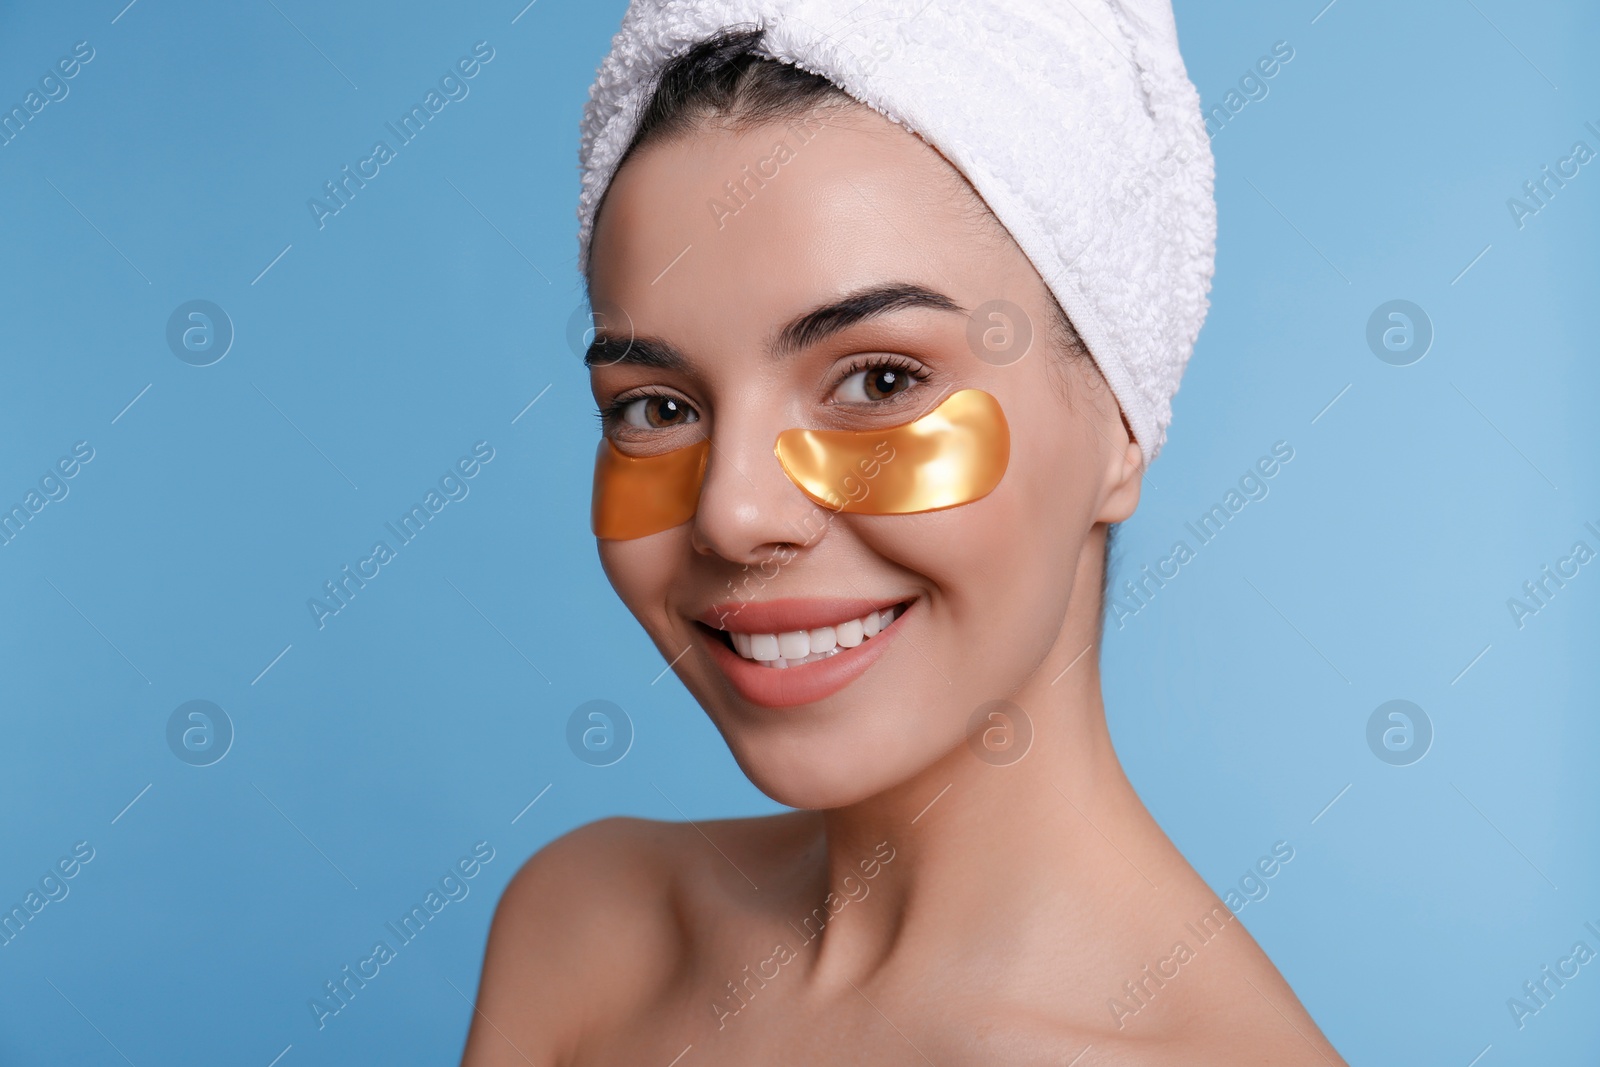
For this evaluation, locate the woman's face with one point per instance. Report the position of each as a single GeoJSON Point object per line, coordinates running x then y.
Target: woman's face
{"type": "Point", "coordinates": [704, 283]}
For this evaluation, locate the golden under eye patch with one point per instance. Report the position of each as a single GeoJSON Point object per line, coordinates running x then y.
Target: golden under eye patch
{"type": "Point", "coordinates": [955, 454]}
{"type": "Point", "coordinates": [635, 496]}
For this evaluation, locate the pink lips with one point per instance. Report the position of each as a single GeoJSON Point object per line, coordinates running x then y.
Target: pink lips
{"type": "Point", "coordinates": [790, 613]}
{"type": "Point", "coordinates": [806, 683]}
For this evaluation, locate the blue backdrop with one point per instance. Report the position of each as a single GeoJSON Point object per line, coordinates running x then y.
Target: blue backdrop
{"type": "Point", "coordinates": [217, 397]}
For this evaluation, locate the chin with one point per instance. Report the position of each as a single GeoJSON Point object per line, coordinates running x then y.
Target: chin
{"type": "Point", "coordinates": [868, 740]}
{"type": "Point", "coordinates": [817, 773]}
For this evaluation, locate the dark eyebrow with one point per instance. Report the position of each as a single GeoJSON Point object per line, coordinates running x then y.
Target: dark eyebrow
{"type": "Point", "coordinates": [635, 351]}
{"type": "Point", "coordinates": [823, 322]}
{"type": "Point", "coordinates": [801, 332]}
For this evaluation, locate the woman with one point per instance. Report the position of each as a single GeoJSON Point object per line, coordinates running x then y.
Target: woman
{"type": "Point", "coordinates": [857, 480]}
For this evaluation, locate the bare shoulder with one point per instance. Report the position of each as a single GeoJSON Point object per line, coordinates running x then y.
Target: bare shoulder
{"type": "Point", "coordinates": [1216, 998]}
{"type": "Point", "coordinates": [596, 900]}
{"type": "Point", "coordinates": [598, 921]}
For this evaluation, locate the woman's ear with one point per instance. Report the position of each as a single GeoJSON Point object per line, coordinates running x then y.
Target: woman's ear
{"type": "Point", "coordinates": [1124, 476]}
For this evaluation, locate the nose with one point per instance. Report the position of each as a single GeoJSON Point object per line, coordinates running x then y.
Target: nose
{"type": "Point", "coordinates": [749, 509]}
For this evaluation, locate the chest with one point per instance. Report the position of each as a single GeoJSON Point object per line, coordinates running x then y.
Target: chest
{"type": "Point", "coordinates": [766, 1015]}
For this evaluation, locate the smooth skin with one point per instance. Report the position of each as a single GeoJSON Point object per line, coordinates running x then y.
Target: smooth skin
{"type": "Point", "coordinates": [1017, 900]}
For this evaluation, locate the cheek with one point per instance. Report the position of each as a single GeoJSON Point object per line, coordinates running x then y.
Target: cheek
{"type": "Point", "coordinates": [1000, 571]}
{"type": "Point", "coordinates": [641, 570]}
{"type": "Point", "coordinates": [995, 567]}
{"type": "Point", "coordinates": [1028, 530]}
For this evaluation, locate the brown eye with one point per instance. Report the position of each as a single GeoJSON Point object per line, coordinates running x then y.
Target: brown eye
{"type": "Point", "coordinates": [657, 413]}
{"type": "Point", "coordinates": [873, 384]}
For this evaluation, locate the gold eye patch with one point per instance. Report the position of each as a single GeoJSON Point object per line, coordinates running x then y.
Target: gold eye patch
{"type": "Point", "coordinates": [953, 455]}
{"type": "Point", "coordinates": [635, 496]}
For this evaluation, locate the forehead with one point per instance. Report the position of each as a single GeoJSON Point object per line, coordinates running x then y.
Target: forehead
{"type": "Point", "coordinates": [720, 227]}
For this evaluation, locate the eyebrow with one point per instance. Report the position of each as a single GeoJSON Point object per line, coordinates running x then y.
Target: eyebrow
{"type": "Point", "coordinates": [809, 328]}
{"type": "Point", "coordinates": [823, 322]}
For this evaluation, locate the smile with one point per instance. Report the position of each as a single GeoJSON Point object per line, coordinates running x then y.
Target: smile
{"type": "Point", "coordinates": [779, 653]}
{"type": "Point", "coordinates": [793, 648]}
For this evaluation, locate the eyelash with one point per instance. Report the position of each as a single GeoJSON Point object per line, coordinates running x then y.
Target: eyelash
{"type": "Point", "coordinates": [892, 362]}
{"type": "Point", "coordinates": [611, 414]}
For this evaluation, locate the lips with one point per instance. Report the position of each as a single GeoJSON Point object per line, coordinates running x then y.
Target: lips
{"type": "Point", "coordinates": [789, 614]}
{"type": "Point", "coordinates": [756, 644]}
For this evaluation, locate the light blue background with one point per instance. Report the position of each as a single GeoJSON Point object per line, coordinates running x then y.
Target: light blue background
{"type": "Point", "coordinates": [426, 715]}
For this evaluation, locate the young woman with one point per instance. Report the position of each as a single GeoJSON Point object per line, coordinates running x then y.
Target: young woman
{"type": "Point", "coordinates": [868, 523]}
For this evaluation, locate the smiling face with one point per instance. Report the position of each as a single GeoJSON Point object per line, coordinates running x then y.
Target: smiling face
{"type": "Point", "coordinates": [834, 292]}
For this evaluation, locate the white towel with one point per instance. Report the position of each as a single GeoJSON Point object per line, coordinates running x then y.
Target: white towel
{"type": "Point", "coordinates": [1075, 120]}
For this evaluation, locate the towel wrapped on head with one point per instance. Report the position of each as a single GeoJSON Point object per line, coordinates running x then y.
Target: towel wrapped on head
{"type": "Point", "coordinates": [1075, 120]}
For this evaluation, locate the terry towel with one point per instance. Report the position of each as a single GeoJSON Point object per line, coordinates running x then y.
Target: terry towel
{"type": "Point", "coordinates": [1075, 120]}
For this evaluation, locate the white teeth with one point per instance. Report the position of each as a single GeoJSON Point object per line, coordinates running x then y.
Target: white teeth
{"type": "Point", "coordinates": [795, 647]}
{"type": "Point", "coordinates": [763, 646]}
{"type": "Point", "coordinates": [822, 639]}
{"type": "Point", "coordinates": [849, 634]}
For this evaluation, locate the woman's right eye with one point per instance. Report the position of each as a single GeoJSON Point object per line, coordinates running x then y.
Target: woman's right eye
{"type": "Point", "coordinates": [655, 413]}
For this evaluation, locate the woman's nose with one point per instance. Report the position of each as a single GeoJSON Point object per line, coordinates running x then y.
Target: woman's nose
{"type": "Point", "coordinates": [748, 506]}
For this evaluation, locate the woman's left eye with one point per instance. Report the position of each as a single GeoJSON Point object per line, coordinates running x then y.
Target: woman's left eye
{"type": "Point", "coordinates": [655, 413]}
{"type": "Point", "coordinates": [874, 383]}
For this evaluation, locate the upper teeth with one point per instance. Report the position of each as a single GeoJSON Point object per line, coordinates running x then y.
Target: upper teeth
{"type": "Point", "coordinates": [806, 646]}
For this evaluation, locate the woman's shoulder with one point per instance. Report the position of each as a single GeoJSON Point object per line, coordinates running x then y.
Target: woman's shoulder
{"type": "Point", "coordinates": [625, 860]}
{"type": "Point", "coordinates": [599, 920]}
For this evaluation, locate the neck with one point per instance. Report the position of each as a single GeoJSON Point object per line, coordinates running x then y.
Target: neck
{"type": "Point", "coordinates": [994, 839]}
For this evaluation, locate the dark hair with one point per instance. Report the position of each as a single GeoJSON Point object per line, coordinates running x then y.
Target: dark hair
{"type": "Point", "coordinates": [725, 79]}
